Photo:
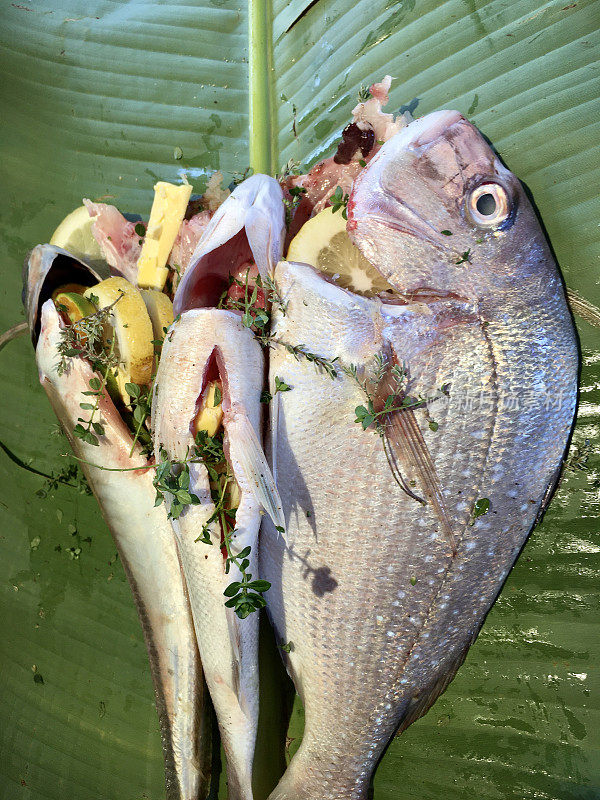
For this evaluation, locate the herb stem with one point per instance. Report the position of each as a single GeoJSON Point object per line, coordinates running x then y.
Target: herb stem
{"type": "Point", "coordinates": [108, 469]}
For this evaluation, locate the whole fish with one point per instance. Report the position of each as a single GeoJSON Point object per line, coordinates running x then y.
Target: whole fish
{"type": "Point", "coordinates": [147, 550]}
{"type": "Point", "coordinates": [411, 480]}
{"type": "Point", "coordinates": [208, 345]}
{"type": "Point", "coordinates": [205, 343]}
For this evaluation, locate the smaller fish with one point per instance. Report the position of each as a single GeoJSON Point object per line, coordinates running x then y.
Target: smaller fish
{"type": "Point", "coordinates": [207, 347]}
{"type": "Point", "coordinates": [213, 345]}
{"type": "Point", "coordinates": [147, 550]}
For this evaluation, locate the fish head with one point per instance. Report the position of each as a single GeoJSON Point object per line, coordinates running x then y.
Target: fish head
{"type": "Point", "coordinates": [46, 269]}
{"type": "Point", "coordinates": [249, 227]}
{"type": "Point", "coordinates": [437, 213]}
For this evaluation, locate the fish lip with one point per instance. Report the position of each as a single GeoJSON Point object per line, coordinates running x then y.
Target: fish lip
{"type": "Point", "coordinates": [428, 129]}
{"type": "Point", "coordinates": [422, 295]}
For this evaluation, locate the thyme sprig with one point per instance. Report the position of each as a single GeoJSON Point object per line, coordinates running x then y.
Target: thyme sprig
{"type": "Point", "coordinates": [299, 351]}
{"type": "Point", "coordinates": [84, 339]}
{"type": "Point", "coordinates": [273, 295]}
{"type": "Point", "coordinates": [338, 201]}
{"type": "Point", "coordinates": [258, 319]}
{"type": "Point", "coordinates": [89, 429]}
{"type": "Point", "coordinates": [253, 316]}
{"type": "Point", "coordinates": [364, 94]}
{"type": "Point", "coordinates": [290, 168]}
{"type": "Point", "coordinates": [67, 476]}
{"type": "Point", "coordinates": [292, 202]}
{"type": "Point", "coordinates": [141, 407]}
{"type": "Point", "coordinates": [369, 416]}
{"type": "Point", "coordinates": [172, 480]}
{"type": "Point", "coordinates": [280, 386]}
{"type": "Point", "coordinates": [239, 177]}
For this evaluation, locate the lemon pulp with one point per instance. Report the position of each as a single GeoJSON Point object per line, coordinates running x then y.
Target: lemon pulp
{"type": "Point", "coordinates": [323, 242]}
{"type": "Point", "coordinates": [160, 310]}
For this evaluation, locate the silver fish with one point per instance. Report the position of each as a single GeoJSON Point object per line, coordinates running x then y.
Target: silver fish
{"type": "Point", "coordinates": [228, 645]}
{"type": "Point", "coordinates": [247, 228]}
{"type": "Point", "coordinates": [141, 532]}
{"type": "Point", "coordinates": [398, 544]}
{"type": "Point", "coordinates": [145, 542]}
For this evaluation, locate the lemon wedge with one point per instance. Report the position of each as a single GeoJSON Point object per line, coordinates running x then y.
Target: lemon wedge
{"type": "Point", "coordinates": [210, 413]}
{"type": "Point", "coordinates": [73, 304]}
{"type": "Point", "coordinates": [75, 235]}
{"type": "Point", "coordinates": [131, 328]}
{"type": "Point", "coordinates": [323, 242]}
{"type": "Point", "coordinates": [160, 310]}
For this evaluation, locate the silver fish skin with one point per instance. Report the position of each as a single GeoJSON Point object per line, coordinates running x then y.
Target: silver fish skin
{"type": "Point", "coordinates": [148, 553]}
{"type": "Point", "coordinates": [228, 645]}
{"type": "Point", "coordinates": [380, 595]}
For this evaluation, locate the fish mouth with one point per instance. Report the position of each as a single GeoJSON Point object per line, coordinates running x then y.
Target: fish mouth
{"type": "Point", "coordinates": [412, 200]}
{"type": "Point", "coordinates": [46, 268]}
{"type": "Point", "coordinates": [207, 280]}
{"type": "Point", "coordinates": [243, 240]}
{"type": "Point", "coordinates": [423, 295]}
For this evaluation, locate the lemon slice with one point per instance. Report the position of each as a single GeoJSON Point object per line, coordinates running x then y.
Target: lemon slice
{"type": "Point", "coordinates": [210, 414]}
{"type": "Point", "coordinates": [132, 330]}
{"type": "Point", "coordinates": [324, 243]}
{"type": "Point", "coordinates": [73, 304]}
{"type": "Point", "coordinates": [75, 235]}
{"type": "Point", "coordinates": [160, 310]}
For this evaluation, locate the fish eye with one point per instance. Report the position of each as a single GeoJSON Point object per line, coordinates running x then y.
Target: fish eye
{"type": "Point", "coordinates": [488, 205]}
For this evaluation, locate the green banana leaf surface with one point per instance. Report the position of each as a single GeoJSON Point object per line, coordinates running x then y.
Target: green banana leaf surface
{"type": "Point", "coordinates": [99, 99]}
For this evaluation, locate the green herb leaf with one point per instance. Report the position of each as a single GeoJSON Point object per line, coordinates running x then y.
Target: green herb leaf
{"type": "Point", "coordinates": [281, 386]}
{"type": "Point", "coordinates": [481, 507]}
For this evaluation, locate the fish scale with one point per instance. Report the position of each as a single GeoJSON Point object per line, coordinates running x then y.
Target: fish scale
{"type": "Point", "coordinates": [482, 310]}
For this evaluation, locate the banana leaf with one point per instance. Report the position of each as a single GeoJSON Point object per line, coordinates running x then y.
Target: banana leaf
{"type": "Point", "coordinates": [101, 98]}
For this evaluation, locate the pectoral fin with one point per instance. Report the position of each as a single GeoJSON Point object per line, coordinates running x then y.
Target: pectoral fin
{"type": "Point", "coordinates": [250, 465]}
{"type": "Point", "coordinates": [408, 447]}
